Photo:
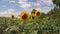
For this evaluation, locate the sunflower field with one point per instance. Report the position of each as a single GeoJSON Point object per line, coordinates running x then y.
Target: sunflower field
{"type": "Point", "coordinates": [36, 23]}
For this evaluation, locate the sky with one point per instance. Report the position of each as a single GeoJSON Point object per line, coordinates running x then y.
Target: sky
{"type": "Point", "coordinates": [8, 7]}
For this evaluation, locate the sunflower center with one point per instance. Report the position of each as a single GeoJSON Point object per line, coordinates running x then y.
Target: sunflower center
{"type": "Point", "coordinates": [38, 13]}
{"type": "Point", "coordinates": [24, 16]}
{"type": "Point", "coordinates": [12, 16]}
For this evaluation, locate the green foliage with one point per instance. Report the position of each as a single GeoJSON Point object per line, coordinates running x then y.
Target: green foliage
{"type": "Point", "coordinates": [57, 2]}
{"type": "Point", "coordinates": [46, 24]}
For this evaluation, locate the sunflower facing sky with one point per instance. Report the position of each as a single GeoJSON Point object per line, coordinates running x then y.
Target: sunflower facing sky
{"type": "Point", "coordinates": [24, 16]}
{"type": "Point", "coordinates": [38, 13]}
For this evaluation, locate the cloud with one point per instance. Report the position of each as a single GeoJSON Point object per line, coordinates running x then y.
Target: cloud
{"type": "Point", "coordinates": [35, 3]}
{"type": "Point", "coordinates": [47, 2]}
{"type": "Point", "coordinates": [24, 4]}
{"type": "Point", "coordinates": [4, 13]}
{"type": "Point", "coordinates": [8, 12]}
{"type": "Point", "coordinates": [22, 1]}
{"type": "Point", "coordinates": [12, 1]}
{"type": "Point", "coordinates": [48, 5]}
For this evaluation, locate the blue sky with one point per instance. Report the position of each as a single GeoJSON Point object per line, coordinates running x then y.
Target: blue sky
{"type": "Point", "coordinates": [8, 7]}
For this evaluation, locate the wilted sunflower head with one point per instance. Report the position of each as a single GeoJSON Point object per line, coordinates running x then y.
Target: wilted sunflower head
{"type": "Point", "coordinates": [24, 16]}
{"type": "Point", "coordinates": [33, 16]}
{"type": "Point", "coordinates": [38, 13]}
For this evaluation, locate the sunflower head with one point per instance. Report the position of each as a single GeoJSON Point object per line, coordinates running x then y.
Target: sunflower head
{"type": "Point", "coordinates": [24, 16]}
{"type": "Point", "coordinates": [38, 13]}
{"type": "Point", "coordinates": [33, 16]}
{"type": "Point", "coordinates": [12, 16]}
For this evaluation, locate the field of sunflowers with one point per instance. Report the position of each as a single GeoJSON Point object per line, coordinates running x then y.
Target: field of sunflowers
{"type": "Point", "coordinates": [36, 23]}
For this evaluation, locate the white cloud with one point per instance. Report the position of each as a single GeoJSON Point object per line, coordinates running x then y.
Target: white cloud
{"type": "Point", "coordinates": [22, 1]}
{"type": "Point", "coordinates": [10, 10]}
{"type": "Point", "coordinates": [35, 3]}
{"type": "Point", "coordinates": [24, 4]}
{"type": "Point", "coordinates": [38, 4]}
{"type": "Point", "coordinates": [47, 2]}
{"type": "Point", "coordinates": [3, 12]}
{"type": "Point", "coordinates": [12, 1]}
{"type": "Point", "coordinates": [47, 8]}
{"type": "Point", "coordinates": [7, 13]}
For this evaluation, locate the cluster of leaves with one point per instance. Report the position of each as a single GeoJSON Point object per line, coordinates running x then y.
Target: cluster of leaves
{"type": "Point", "coordinates": [46, 24]}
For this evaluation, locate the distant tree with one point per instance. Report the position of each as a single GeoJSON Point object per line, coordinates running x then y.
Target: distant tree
{"type": "Point", "coordinates": [57, 2]}
{"type": "Point", "coordinates": [54, 13]}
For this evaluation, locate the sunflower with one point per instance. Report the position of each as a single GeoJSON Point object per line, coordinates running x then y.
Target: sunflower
{"type": "Point", "coordinates": [38, 13]}
{"type": "Point", "coordinates": [24, 16]}
{"type": "Point", "coordinates": [33, 16]}
{"type": "Point", "coordinates": [12, 16]}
